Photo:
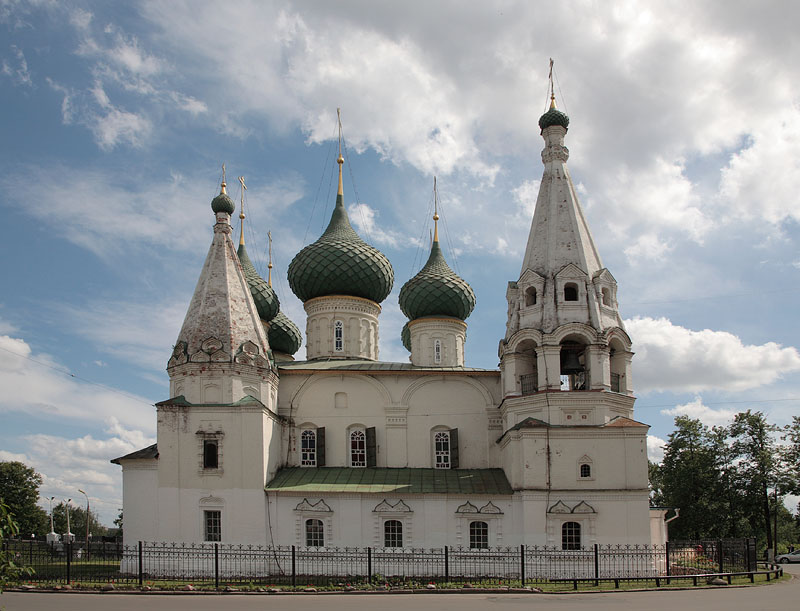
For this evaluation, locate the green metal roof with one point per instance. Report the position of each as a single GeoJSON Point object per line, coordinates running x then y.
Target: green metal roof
{"type": "Point", "coordinates": [437, 290]}
{"type": "Point", "coordinates": [223, 203]}
{"type": "Point", "coordinates": [553, 117]}
{"type": "Point", "coordinates": [264, 297]}
{"type": "Point", "coordinates": [391, 481]}
{"type": "Point", "coordinates": [373, 366]}
{"type": "Point", "coordinates": [340, 263]}
{"type": "Point", "coordinates": [284, 336]}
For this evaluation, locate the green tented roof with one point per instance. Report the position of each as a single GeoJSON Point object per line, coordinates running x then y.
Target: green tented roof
{"type": "Point", "coordinates": [304, 480]}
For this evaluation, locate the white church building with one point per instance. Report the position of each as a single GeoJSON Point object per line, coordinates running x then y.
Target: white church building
{"type": "Point", "coordinates": [342, 449]}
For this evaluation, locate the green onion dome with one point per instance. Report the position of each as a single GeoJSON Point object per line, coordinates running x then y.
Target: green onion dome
{"type": "Point", "coordinates": [264, 297]}
{"type": "Point", "coordinates": [223, 203]}
{"type": "Point", "coordinates": [553, 117]}
{"type": "Point", "coordinates": [340, 263]}
{"type": "Point", "coordinates": [283, 335]}
{"type": "Point", "coordinates": [405, 337]}
{"type": "Point", "coordinates": [437, 291]}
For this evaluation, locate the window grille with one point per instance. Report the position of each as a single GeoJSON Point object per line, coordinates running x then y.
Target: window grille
{"type": "Point", "coordinates": [358, 449]}
{"type": "Point", "coordinates": [586, 470]}
{"type": "Point", "coordinates": [527, 383]}
{"type": "Point", "coordinates": [570, 536]}
{"type": "Point", "coordinates": [478, 535]}
{"type": "Point", "coordinates": [441, 443]}
{"type": "Point", "coordinates": [213, 525]}
{"type": "Point", "coordinates": [315, 533]}
{"type": "Point", "coordinates": [437, 351]}
{"type": "Point", "coordinates": [393, 533]}
{"type": "Point", "coordinates": [338, 336]}
{"type": "Point", "coordinates": [308, 448]}
{"type": "Point", "coordinates": [615, 385]}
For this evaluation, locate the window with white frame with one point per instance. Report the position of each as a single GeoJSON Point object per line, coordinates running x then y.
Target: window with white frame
{"type": "Point", "coordinates": [478, 535]}
{"type": "Point", "coordinates": [338, 336]}
{"type": "Point", "coordinates": [393, 533]}
{"type": "Point", "coordinates": [570, 536]}
{"type": "Point", "coordinates": [586, 470]}
{"type": "Point", "coordinates": [437, 351]}
{"type": "Point", "coordinates": [308, 448]}
{"type": "Point", "coordinates": [212, 525]}
{"type": "Point", "coordinates": [315, 533]}
{"type": "Point", "coordinates": [441, 449]}
{"type": "Point", "coordinates": [358, 448]}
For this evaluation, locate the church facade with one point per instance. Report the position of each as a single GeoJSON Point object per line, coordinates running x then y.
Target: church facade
{"type": "Point", "coordinates": [341, 449]}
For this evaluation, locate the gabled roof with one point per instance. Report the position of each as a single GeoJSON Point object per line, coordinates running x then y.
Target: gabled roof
{"type": "Point", "coordinates": [180, 401]}
{"type": "Point", "coordinates": [535, 423]}
{"type": "Point", "coordinates": [147, 453]}
{"type": "Point", "coordinates": [303, 480]}
{"type": "Point", "coordinates": [621, 421]}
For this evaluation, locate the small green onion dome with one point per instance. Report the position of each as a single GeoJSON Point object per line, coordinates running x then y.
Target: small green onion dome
{"type": "Point", "coordinates": [264, 297]}
{"type": "Point", "coordinates": [437, 291]}
{"type": "Point", "coordinates": [340, 263]}
{"type": "Point", "coordinates": [283, 335]}
{"type": "Point", "coordinates": [553, 117]}
{"type": "Point", "coordinates": [405, 337]}
{"type": "Point", "coordinates": [223, 203]}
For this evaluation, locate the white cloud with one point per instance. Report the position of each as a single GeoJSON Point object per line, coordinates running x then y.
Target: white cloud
{"type": "Point", "coordinates": [672, 358]}
{"type": "Point", "coordinates": [647, 248]}
{"type": "Point", "coordinates": [697, 410]}
{"type": "Point", "coordinates": [655, 448]}
{"type": "Point", "coordinates": [364, 218]}
{"type": "Point", "coordinates": [118, 126]}
{"type": "Point", "coordinates": [20, 74]}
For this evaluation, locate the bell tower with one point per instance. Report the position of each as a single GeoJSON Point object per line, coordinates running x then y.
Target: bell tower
{"type": "Point", "coordinates": [566, 357]}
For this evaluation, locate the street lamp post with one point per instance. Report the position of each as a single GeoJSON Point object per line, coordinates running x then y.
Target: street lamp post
{"type": "Point", "coordinates": [87, 521]}
{"type": "Point", "coordinates": [52, 537]}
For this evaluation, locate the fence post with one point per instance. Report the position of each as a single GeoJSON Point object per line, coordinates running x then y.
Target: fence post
{"type": "Point", "coordinates": [69, 562]}
{"type": "Point", "coordinates": [522, 564]}
{"type": "Point", "coordinates": [141, 571]}
{"type": "Point", "coordinates": [30, 553]}
{"type": "Point", "coordinates": [446, 564]}
{"type": "Point", "coordinates": [596, 564]}
{"type": "Point", "coordinates": [719, 555]}
{"type": "Point", "coordinates": [369, 565]}
{"type": "Point", "coordinates": [294, 567]}
{"type": "Point", "coordinates": [666, 558]}
{"type": "Point", "coordinates": [216, 566]}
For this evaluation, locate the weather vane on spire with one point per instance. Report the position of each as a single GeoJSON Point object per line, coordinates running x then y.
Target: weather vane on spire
{"type": "Point", "coordinates": [550, 83]}
{"type": "Point", "coordinates": [435, 212]}
{"type": "Point", "coordinates": [241, 210]}
{"type": "Point", "coordinates": [269, 265]}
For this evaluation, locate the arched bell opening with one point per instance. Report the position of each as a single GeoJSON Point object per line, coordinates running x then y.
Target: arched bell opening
{"type": "Point", "coordinates": [574, 365]}
{"type": "Point", "coordinates": [618, 362]}
{"type": "Point", "coordinates": [527, 373]}
{"type": "Point", "coordinates": [530, 296]}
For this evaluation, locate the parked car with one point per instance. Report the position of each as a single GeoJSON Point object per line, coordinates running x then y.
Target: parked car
{"type": "Point", "coordinates": [790, 557]}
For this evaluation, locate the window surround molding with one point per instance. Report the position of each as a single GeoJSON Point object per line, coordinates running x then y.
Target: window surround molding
{"type": "Point", "coordinates": [306, 510]}
{"type": "Point", "coordinates": [582, 513]}
{"type": "Point", "coordinates": [217, 436]}
{"type": "Point", "coordinates": [385, 511]}
{"type": "Point", "coordinates": [585, 460]}
{"type": "Point", "coordinates": [489, 513]}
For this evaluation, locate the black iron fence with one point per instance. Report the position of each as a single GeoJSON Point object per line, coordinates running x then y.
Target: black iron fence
{"type": "Point", "coordinates": [219, 564]}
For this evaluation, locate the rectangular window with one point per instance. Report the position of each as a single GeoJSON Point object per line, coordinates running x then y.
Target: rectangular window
{"type": "Point", "coordinates": [213, 525]}
{"type": "Point", "coordinates": [338, 336]}
{"type": "Point", "coordinates": [437, 351]}
{"type": "Point", "coordinates": [308, 448]}
{"type": "Point", "coordinates": [315, 533]}
{"type": "Point", "coordinates": [393, 533]}
{"type": "Point", "coordinates": [441, 443]}
{"type": "Point", "coordinates": [210, 454]}
{"type": "Point", "coordinates": [358, 449]}
{"type": "Point", "coordinates": [478, 535]}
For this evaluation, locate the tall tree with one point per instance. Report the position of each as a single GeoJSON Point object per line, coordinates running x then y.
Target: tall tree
{"type": "Point", "coordinates": [754, 449]}
{"type": "Point", "coordinates": [791, 457]}
{"type": "Point", "coordinates": [19, 489]}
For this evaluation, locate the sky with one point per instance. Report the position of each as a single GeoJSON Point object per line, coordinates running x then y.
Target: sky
{"type": "Point", "coordinates": [116, 119]}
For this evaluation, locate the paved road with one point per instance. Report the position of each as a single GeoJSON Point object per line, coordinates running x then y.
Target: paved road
{"type": "Point", "coordinates": [778, 597]}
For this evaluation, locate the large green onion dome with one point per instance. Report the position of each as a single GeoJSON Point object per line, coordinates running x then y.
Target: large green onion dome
{"type": "Point", "coordinates": [437, 290]}
{"type": "Point", "coordinates": [340, 262]}
{"type": "Point", "coordinates": [264, 297]}
{"type": "Point", "coordinates": [553, 117]}
{"type": "Point", "coordinates": [284, 336]}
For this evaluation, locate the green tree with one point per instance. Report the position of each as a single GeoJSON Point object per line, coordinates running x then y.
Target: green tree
{"type": "Point", "coordinates": [791, 457]}
{"type": "Point", "coordinates": [755, 452]}
{"type": "Point", "coordinates": [689, 478]}
{"type": "Point", "coordinates": [9, 568]}
{"type": "Point", "coordinates": [19, 489]}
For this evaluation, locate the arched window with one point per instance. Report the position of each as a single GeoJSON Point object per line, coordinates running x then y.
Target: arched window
{"type": "Point", "coordinates": [338, 336]}
{"type": "Point", "coordinates": [315, 533]}
{"type": "Point", "coordinates": [358, 448]}
{"type": "Point", "coordinates": [210, 454]}
{"type": "Point", "coordinates": [586, 470]}
{"type": "Point", "coordinates": [571, 292]}
{"type": "Point", "coordinates": [570, 536]}
{"type": "Point", "coordinates": [308, 448]}
{"type": "Point", "coordinates": [393, 533]}
{"type": "Point", "coordinates": [606, 297]}
{"type": "Point", "coordinates": [441, 448]}
{"type": "Point", "coordinates": [478, 535]}
{"type": "Point", "coordinates": [437, 351]}
{"type": "Point", "coordinates": [530, 296]}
